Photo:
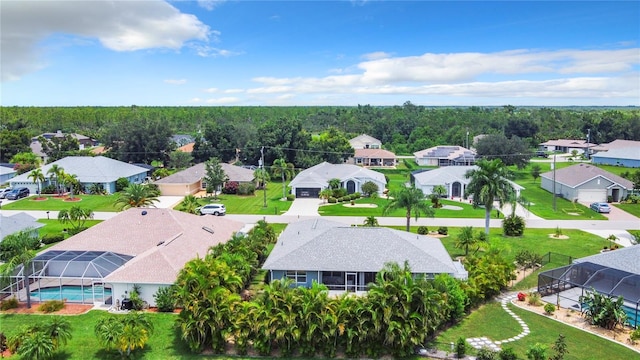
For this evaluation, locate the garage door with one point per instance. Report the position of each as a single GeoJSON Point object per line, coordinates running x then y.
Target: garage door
{"type": "Point", "coordinates": [307, 192]}
{"type": "Point", "coordinates": [589, 195]}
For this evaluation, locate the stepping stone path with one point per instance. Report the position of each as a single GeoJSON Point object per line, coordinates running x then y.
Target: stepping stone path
{"type": "Point", "coordinates": [484, 342]}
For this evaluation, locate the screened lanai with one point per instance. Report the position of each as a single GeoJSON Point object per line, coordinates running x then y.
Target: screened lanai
{"type": "Point", "coordinates": [566, 284]}
{"type": "Point", "coordinates": [73, 276]}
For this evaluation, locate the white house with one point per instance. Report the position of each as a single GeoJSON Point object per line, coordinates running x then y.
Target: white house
{"type": "Point", "coordinates": [308, 183]}
{"type": "Point", "coordinates": [451, 177]}
{"type": "Point", "coordinates": [445, 156]}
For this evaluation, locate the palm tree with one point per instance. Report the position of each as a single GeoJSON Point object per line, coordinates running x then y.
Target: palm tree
{"type": "Point", "coordinates": [70, 180]}
{"type": "Point", "coordinates": [37, 346]}
{"type": "Point", "coordinates": [55, 170]}
{"type": "Point", "coordinates": [262, 177]}
{"type": "Point", "coordinates": [488, 184]}
{"type": "Point", "coordinates": [325, 194]}
{"type": "Point", "coordinates": [334, 183]}
{"type": "Point", "coordinates": [126, 334]}
{"type": "Point", "coordinates": [19, 249]}
{"type": "Point", "coordinates": [58, 329]}
{"type": "Point", "coordinates": [136, 195]}
{"type": "Point", "coordinates": [411, 199]}
{"type": "Point", "coordinates": [38, 178]}
{"type": "Point", "coordinates": [285, 170]}
{"type": "Point", "coordinates": [190, 204]}
{"type": "Point", "coordinates": [466, 239]}
{"type": "Point", "coordinates": [75, 216]}
{"type": "Point", "coordinates": [371, 221]}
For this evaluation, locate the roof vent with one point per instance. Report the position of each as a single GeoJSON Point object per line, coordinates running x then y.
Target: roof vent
{"type": "Point", "coordinates": [144, 212]}
{"type": "Point", "coordinates": [160, 243]}
{"type": "Point", "coordinates": [207, 229]}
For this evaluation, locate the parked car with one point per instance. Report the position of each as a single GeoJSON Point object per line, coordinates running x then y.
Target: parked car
{"type": "Point", "coordinates": [213, 209]}
{"type": "Point", "coordinates": [600, 207]}
{"type": "Point", "coordinates": [4, 192]}
{"type": "Point", "coordinates": [541, 153]}
{"type": "Point", "coordinates": [17, 193]}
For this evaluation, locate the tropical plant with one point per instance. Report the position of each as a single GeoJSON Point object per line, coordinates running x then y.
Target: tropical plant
{"type": "Point", "coordinates": [559, 348]}
{"type": "Point", "coordinates": [334, 183]}
{"type": "Point", "coordinates": [38, 178]}
{"type": "Point", "coordinates": [40, 340]}
{"type": "Point", "coordinates": [124, 333]}
{"type": "Point", "coordinates": [55, 171]}
{"type": "Point", "coordinates": [488, 184]}
{"type": "Point", "coordinates": [122, 183]}
{"type": "Point", "coordinates": [549, 308]}
{"type": "Point", "coordinates": [58, 329]}
{"type": "Point", "coordinates": [36, 345]}
{"type": "Point", "coordinates": [262, 177]}
{"type": "Point", "coordinates": [461, 347]}
{"type": "Point", "coordinates": [486, 354]}
{"type": "Point", "coordinates": [412, 200]}
{"type": "Point", "coordinates": [535, 171]}
{"type": "Point", "coordinates": [285, 171]}
{"type": "Point", "coordinates": [513, 225]}
{"type": "Point", "coordinates": [537, 351]}
{"type": "Point", "coordinates": [603, 310]}
{"type": "Point", "coordinates": [214, 176]}
{"type": "Point", "coordinates": [16, 250]}
{"type": "Point", "coordinates": [423, 230]}
{"type": "Point", "coordinates": [371, 221]}
{"type": "Point", "coordinates": [325, 194]}
{"type": "Point", "coordinates": [368, 188]}
{"type": "Point", "coordinates": [97, 189]}
{"type": "Point", "coordinates": [165, 300]}
{"type": "Point", "coordinates": [75, 216]}
{"type": "Point", "coordinates": [467, 239]}
{"type": "Point", "coordinates": [50, 306]}
{"type": "Point", "coordinates": [507, 354]}
{"type": "Point", "coordinates": [136, 195]}
{"type": "Point", "coordinates": [436, 194]}
{"type": "Point", "coordinates": [190, 204]}
{"type": "Point", "coordinates": [71, 181]}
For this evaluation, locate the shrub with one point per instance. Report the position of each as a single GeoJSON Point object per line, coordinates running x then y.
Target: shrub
{"type": "Point", "coordinates": [291, 197]}
{"type": "Point", "coordinates": [52, 238]}
{"type": "Point", "coordinates": [522, 296]}
{"type": "Point", "coordinates": [558, 232]}
{"type": "Point", "coordinates": [443, 230]}
{"type": "Point", "coordinates": [534, 299]}
{"type": "Point", "coordinates": [165, 299]}
{"type": "Point", "coordinates": [461, 347]}
{"type": "Point", "coordinates": [634, 336]}
{"type": "Point", "coordinates": [549, 308]}
{"type": "Point", "coordinates": [507, 354]}
{"type": "Point", "coordinates": [246, 189]}
{"type": "Point", "coordinates": [332, 200]}
{"type": "Point", "coordinates": [485, 354]}
{"type": "Point", "coordinates": [51, 306]}
{"type": "Point", "coordinates": [49, 189]}
{"type": "Point", "coordinates": [423, 230]}
{"type": "Point", "coordinates": [77, 230]}
{"type": "Point", "coordinates": [338, 193]}
{"type": "Point", "coordinates": [537, 352]}
{"type": "Point", "coordinates": [121, 184]}
{"type": "Point", "coordinates": [513, 225]}
{"type": "Point", "coordinates": [11, 303]}
{"type": "Point", "coordinates": [603, 310]}
{"type": "Point", "coordinates": [357, 195]}
{"type": "Point", "coordinates": [369, 188]}
{"type": "Point", "coordinates": [353, 202]}
{"type": "Point", "coordinates": [230, 187]}
{"type": "Point", "coordinates": [97, 189]}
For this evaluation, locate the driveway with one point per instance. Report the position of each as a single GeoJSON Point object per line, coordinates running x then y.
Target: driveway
{"type": "Point", "coordinates": [616, 213]}
{"type": "Point", "coordinates": [168, 202]}
{"type": "Point", "coordinates": [304, 207]}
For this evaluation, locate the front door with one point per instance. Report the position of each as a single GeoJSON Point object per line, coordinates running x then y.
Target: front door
{"type": "Point", "coordinates": [456, 189]}
{"type": "Point", "coordinates": [351, 187]}
{"type": "Point", "coordinates": [351, 281]}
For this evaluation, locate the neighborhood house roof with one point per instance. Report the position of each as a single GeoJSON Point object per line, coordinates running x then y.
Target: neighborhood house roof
{"type": "Point", "coordinates": [6, 170]}
{"type": "Point", "coordinates": [17, 222]}
{"type": "Point", "coordinates": [319, 175]}
{"type": "Point", "coordinates": [570, 143]}
{"type": "Point", "coordinates": [89, 169]}
{"type": "Point", "coordinates": [630, 153]}
{"type": "Point", "coordinates": [444, 175]}
{"type": "Point", "coordinates": [160, 241]}
{"type": "Point", "coordinates": [197, 172]}
{"type": "Point", "coordinates": [361, 141]}
{"type": "Point", "coordinates": [625, 259]}
{"type": "Point", "coordinates": [618, 144]}
{"type": "Point", "coordinates": [188, 148]}
{"type": "Point", "coordinates": [322, 245]}
{"type": "Point", "coordinates": [445, 152]}
{"type": "Point", "coordinates": [576, 175]}
{"type": "Point", "coordinates": [374, 154]}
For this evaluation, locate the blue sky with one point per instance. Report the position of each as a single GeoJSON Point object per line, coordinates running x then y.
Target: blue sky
{"type": "Point", "coordinates": [210, 53]}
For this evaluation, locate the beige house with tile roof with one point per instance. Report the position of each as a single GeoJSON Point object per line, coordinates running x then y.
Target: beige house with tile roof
{"type": "Point", "coordinates": [189, 181]}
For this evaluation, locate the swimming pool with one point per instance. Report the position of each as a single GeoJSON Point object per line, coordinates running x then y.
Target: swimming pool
{"type": "Point", "coordinates": [73, 293]}
{"type": "Point", "coordinates": [631, 315]}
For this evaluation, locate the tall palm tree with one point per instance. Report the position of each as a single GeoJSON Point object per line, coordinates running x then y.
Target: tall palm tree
{"type": "Point", "coordinates": [58, 329]}
{"type": "Point", "coordinates": [412, 199]}
{"type": "Point", "coordinates": [466, 239]}
{"type": "Point", "coordinates": [38, 178]}
{"type": "Point", "coordinates": [55, 170]}
{"type": "Point", "coordinates": [71, 181]}
{"type": "Point", "coordinates": [19, 249]}
{"type": "Point", "coordinates": [136, 195]}
{"type": "Point", "coordinates": [286, 172]}
{"type": "Point", "coordinates": [489, 184]}
{"type": "Point", "coordinates": [75, 216]}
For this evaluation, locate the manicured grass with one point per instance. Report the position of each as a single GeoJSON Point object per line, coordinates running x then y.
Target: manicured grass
{"type": "Point", "coordinates": [633, 209]}
{"type": "Point", "coordinates": [542, 205]}
{"type": "Point", "coordinates": [93, 202]}
{"type": "Point", "coordinates": [340, 209]}
{"type": "Point", "coordinates": [616, 169]}
{"type": "Point", "coordinates": [490, 320]}
{"type": "Point", "coordinates": [53, 226]}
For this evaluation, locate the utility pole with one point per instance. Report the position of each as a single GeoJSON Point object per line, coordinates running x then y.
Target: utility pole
{"type": "Point", "coordinates": [264, 183]}
{"type": "Point", "coordinates": [554, 181]}
{"type": "Point", "coordinates": [588, 154]}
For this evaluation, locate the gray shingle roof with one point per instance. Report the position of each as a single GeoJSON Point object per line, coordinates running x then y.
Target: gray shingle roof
{"type": "Point", "coordinates": [625, 259]}
{"type": "Point", "coordinates": [320, 174]}
{"type": "Point", "coordinates": [443, 175]}
{"type": "Point", "coordinates": [198, 171]}
{"type": "Point", "coordinates": [18, 222]}
{"type": "Point", "coordinates": [322, 245]}
{"type": "Point", "coordinates": [90, 169]}
{"type": "Point", "coordinates": [576, 175]}
{"type": "Point", "coordinates": [631, 153]}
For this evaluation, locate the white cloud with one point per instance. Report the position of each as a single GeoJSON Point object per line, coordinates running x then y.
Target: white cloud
{"type": "Point", "coordinates": [211, 90]}
{"type": "Point", "coordinates": [223, 101]}
{"type": "Point", "coordinates": [205, 50]}
{"type": "Point", "coordinates": [210, 4]}
{"type": "Point", "coordinates": [233, 91]}
{"type": "Point", "coordinates": [117, 25]}
{"type": "Point", "coordinates": [376, 55]}
{"type": "Point", "coordinates": [176, 81]}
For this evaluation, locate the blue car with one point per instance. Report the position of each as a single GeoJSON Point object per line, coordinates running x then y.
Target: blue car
{"type": "Point", "coordinates": [600, 207]}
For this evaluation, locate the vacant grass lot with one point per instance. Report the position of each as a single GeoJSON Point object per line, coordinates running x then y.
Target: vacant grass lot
{"type": "Point", "coordinates": [340, 209]}
{"type": "Point", "coordinates": [93, 202]}
{"type": "Point", "coordinates": [490, 320]}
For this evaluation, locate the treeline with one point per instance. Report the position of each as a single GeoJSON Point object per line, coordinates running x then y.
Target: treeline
{"type": "Point", "coordinates": [285, 131]}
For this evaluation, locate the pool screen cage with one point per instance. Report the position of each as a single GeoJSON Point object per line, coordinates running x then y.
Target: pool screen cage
{"type": "Point", "coordinates": [73, 276]}
{"type": "Point", "coordinates": [570, 282]}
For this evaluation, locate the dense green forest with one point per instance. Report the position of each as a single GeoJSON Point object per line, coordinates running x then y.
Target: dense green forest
{"type": "Point", "coordinates": [304, 135]}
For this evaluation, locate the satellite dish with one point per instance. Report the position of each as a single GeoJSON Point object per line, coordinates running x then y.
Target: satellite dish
{"type": "Point", "coordinates": [144, 212]}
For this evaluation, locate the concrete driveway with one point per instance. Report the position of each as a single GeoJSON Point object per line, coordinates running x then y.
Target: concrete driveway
{"type": "Point", "coordinates": [304, 207]}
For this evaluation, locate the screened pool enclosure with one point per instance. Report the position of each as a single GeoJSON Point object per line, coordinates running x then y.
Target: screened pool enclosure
{"type": "Point", "coordinates": [73, 276]}
{"type": "Point", "coordinates": [566, 284]}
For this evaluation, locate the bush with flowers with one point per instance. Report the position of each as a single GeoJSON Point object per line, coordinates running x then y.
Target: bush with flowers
{"type": "Point", "coordinates": [522, 296]}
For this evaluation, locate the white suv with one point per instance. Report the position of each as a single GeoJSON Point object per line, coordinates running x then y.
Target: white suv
{"type": "Point", "coordinates": [213, 209]}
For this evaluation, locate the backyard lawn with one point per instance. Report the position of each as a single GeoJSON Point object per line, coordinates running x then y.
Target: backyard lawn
{"type": "Point", "coordinates": [93, 202]}
{"type": "Point", "coordinates": [457, 209]}
{"type": "Point", "coordinates": [491, 321]}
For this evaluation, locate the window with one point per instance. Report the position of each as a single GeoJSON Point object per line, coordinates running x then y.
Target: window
{"type": "Point", "coordinates": [296, 276]}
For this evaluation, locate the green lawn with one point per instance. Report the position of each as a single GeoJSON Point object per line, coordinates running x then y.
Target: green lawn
{"type": "Point", "coordinates": [633, 209]}
{"type": "Point", "coordinates": [53, 226]}
{"type": "Point", "coordinates": [490, 320]}
{"type": "Point", "coordinates": [340, 209]}
{"type": "Point", "coordinates": [93, 202]}
{"type": "Point", "coordinates": [542, 204]}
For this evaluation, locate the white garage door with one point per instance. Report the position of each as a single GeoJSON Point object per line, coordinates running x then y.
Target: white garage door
{"type": "Point", "coordinates": [589, 195]}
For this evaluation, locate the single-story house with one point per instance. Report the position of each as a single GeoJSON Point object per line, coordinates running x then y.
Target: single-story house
{"type": "Point", "coordinates": [374, 157]}
{"type": "Point", "coordinates": [451, 177]}
{"type": "Point", "coordinates": [189, 181]}
{"type": "Point", "coordinates": [627, 157]}
{"type": "Point", "coordinates": [568, 146]}
{"type": "Point", "coordinates": [18, 222]}
{"type": "Point", "coordinates": [586, 183]}
{"type": "Point", "coordinates": [365, 142]}
{"type": "Point", "coordinates": [445, 156]}
{"type": "Point", "coordinates": [346, 258]}
{"type": "Point", "coordinates": [89, 170]}
{"type": "Point", "coordinates": [84, 142]}
{"type": "Point", "coordinates": [619, 143]}
{"type": "Point", "coordinates": [188, 148]}
{"type": "Point", "coordinates": [309, 182]}
{"type": "Point", "coordinates": [6, 173]}
{"type": "Point", "coordinates": [107, 263]}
